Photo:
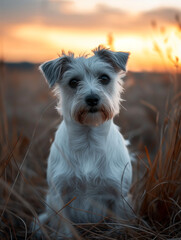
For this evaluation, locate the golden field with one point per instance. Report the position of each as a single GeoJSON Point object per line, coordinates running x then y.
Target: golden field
{"type": "Point", "coordinates": [150, 118]}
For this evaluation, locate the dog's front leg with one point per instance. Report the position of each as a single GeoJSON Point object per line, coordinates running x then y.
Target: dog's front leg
{"type": "Point", "coordinates": [37, 226]}
{"type": "Point", "coordinates": [57, 215]}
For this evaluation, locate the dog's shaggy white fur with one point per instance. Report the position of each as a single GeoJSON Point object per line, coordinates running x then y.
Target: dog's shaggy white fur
{"type": "Point", "coordinates": [88, 159]}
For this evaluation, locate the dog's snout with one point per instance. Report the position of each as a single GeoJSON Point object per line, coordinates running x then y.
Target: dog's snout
{"type": "Point", "coordinates": [92, 100]}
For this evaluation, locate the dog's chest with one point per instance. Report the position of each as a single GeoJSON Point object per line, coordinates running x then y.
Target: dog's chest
{"type": "Point", "coordinates": [87, 152]}
{"type": "Point", "coordinates": [89, 161]}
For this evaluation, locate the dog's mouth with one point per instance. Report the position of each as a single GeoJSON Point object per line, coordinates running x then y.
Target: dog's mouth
{"type": "Point", "coordinates": [93, 110]}
{"type": "Point", "coordinates": [93, 116]}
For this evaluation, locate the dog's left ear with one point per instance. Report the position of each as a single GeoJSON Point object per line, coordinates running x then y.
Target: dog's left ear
{"type": "Point", "coordinates": [53, 70]}
{"type": "Point", "coordinates": [117, 59]}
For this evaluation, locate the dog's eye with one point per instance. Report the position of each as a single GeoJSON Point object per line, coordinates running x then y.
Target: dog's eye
{"type": "Point", "coordinates": [73, 83]}
{"type": "Point", "coordinates": [104, 79]}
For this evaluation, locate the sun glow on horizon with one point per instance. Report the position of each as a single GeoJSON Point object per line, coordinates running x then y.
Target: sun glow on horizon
{"type": "Point", "coordinates": [27, 42]}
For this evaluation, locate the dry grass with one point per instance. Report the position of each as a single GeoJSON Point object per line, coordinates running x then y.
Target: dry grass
{"type": "Point", "coordinates": [156, 134]}
{"type": "Point", "coordinates": [158, 193]}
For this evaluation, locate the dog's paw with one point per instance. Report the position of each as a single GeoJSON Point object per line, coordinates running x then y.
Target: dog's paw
{"type": "Point", "coordinates": [37, 227]}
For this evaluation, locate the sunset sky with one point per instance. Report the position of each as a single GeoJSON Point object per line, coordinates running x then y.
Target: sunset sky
{"type": "Point", "coordinates": [37, 30]}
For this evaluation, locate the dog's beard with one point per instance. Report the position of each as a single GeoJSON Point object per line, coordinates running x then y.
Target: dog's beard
{"type": "Point", "coordinates": [93, 116]}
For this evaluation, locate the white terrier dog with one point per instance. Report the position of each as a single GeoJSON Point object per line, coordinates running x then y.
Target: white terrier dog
{"type": "Point", "coordinates": [89, 162]}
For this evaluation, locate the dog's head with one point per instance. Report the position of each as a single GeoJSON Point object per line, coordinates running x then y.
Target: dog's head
{"type": "Point", "coordinates": [89, 88]}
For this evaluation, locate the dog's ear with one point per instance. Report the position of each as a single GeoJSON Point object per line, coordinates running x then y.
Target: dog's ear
{"type": "Point", "coordinates": [53, 70]}
{"type": "Point", "coordinates": [117, 59]}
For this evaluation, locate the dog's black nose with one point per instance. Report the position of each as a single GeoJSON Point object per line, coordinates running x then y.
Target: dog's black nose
{"type": "Point", "coordinates": [92, 100]}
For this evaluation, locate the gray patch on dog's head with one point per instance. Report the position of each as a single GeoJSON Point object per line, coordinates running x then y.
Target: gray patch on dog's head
{"type": "Point", "coordinates": [118, 60]}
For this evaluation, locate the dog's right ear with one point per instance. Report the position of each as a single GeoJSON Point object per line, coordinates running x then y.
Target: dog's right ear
{"type": "Point", "coordinates": [53, 70]}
